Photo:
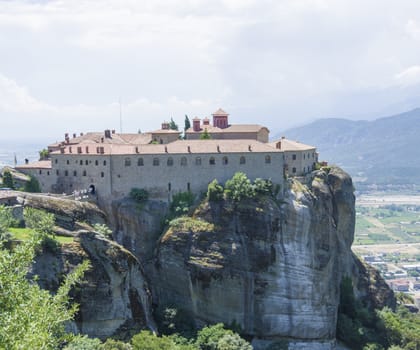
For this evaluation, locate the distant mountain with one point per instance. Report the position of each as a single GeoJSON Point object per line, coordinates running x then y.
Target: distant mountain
{"type": "Point", "coordinates": [383, 151]}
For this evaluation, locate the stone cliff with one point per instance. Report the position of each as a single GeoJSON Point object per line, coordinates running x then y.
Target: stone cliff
{"type": "Point", "coordinates": [271, 266]}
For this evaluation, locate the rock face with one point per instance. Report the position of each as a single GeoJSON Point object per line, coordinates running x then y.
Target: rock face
{"type": "Point", "coordinates": [272, 267]}
{"type": "Point", "coordinates": [114, 293]}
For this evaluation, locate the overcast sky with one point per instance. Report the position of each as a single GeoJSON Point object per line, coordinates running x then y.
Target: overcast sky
{"type": "Point", "coordinates": [64, 65]}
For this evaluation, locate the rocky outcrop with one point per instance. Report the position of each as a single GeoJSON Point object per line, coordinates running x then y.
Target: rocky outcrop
{"type": "Point", "coordinates": [68, 213]}
{"type": "Point", "coordinates": [273, 267]}
{"type": "Point", "coordinates": [113, 295]}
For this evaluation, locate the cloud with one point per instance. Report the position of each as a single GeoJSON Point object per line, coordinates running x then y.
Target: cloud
{"type": "Point", "coordinates": [409, 76]}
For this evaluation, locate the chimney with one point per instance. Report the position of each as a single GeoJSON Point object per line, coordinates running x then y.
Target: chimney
{"type": "Point", "coordinates": [67, 139]}
{"type": "Point", "coordinates": [166, 149]}
{"type": "Point", "coordinates": [206, 121]}
{"type": "Point", "coordinates": [66, 135]}
{"type": "Point", "coordinates": [74, 135]}
{"type": "Point", "coordinates": [283, 137]}
{"type": "Point", "coordinates": [113, 131]}
{"type": "Point", "coordinates": [107, 134]}
{"type": "Point", "coordinates": [189, 149]}
{"type": "Point", "coordinates": [81, 134]}
{"type": "Point", "coordinates": [196, 124]}
{"type": "Point", "coordinates": [165, 126]}
{"type": "Point", "coordinates": [26, 161]}
{"type": "Point", "coordinates": [278, 145]}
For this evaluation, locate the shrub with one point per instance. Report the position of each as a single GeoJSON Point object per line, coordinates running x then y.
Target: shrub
{"type": "Point", "coordinates": [214, 191]}
{"type": "Point", "coordinates": [8, 179]}
{"type": "Point", "coordinates": [262, 186]}
{"type": "Point", "coordinates": [102, 229]}
{"type": "Point", "coordinates": [112, 344]}
{"type": "Point", "coordinates": [239, 187]}
{"type": "Point", "coordinates": [145, 340]}
{"type": "Point", "coordinates": [181, 203]}
{"type": "Point", "coordinates": [140, 195]}
{"type": "Point", "coordinates": [39, 220]}
{"type": "Point", "coordinates": [5, 221]}
{"type": "Point", "coordinates": [83, 343]}
{"type": "Point", "coordinates": [208, 337]}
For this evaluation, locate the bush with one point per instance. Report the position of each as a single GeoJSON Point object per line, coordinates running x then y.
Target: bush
{"type": "Point", "coordinates": [83, 343]}
{"type": "Point", "coordinates": [5, 221]}
{"type": "Point", "coordinates": [103, 229]}
{"type": "Point", "coordinates": [208, 337]}
{"type": "Point", "coordinates": [214, 191]}
{"type": "Point", "coordinates": [8, 179]}
{"type": "Point", "coordinates": [145, 340]}
{"type": "Point", "coordinates": [112, 344]}
{"type": "Point", "coordinates": [181, 203]}
{"type": "Point", "coordinates": [262, 186]}
{"type": "Point", "coordinates": [239, 187]}
{"type": "Point", "coordinates": [140, 195]}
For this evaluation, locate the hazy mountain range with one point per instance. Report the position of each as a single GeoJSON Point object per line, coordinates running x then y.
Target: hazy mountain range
{"type": "Point", "coordinates": [383, 151]}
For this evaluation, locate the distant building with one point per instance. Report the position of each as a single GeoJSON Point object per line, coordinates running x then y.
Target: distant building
{"type": "Point", "coordinates": [111, 164]}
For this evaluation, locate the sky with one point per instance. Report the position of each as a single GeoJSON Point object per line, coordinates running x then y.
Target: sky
{"type": "Point", "coordinates": [68, 66]}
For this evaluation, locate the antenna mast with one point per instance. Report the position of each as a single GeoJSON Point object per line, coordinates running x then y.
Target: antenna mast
{"type": "Point", "coordinates": [120, 117]}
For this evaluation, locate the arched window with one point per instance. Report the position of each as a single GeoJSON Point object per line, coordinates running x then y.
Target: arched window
{"type": "Point", "coordinates": [188, 187]}
{"type": "Point", "coordinates": [140, 162]}
{"type": "Point", "coordinates": [84, 172]}
{"type": "Point", "coordinates": [212, 161]}
{"type": "Point", "coordinates": [169, 186]}
{"type": "Point", "coordinates": [198, 161]}
{"type": "Point", "coordinates": [40, 172]}
{"type": "Point", "coordinates": [86, 162]}
{"type": "Point", "coordinates": [170, 162]}
{"type": "Point", "coordinates": [48, 173]}
{"type": "Point", "coordinates": [102, 174]}
{"type": "Point", "coordinates": [68, 162]}
{"type": "Point", "coordinates": [66, 173]}
{"type": "Point", "coordinates": [155, 161]}
{"type": "Point", "coordinates": [104, 162]}
{"type": "Point", "coordinates": [183, 161]}
{"type": "Point", "coordinates": [127, 162]}
{"type": "Point", "coordinates": [81, 162]}
{"type": "Point", "coordinates": [294, 156]}
{"type": "Point", "coordinates": [96, 162]}
{"type": "Point", "coordinates": [225, 160]}
{"type": "Point", "coordinates": [57, 172]}
{"type": "Point", "coordinates": [267, 159]}
{"type": "Point", "coordinates": [293, 170]}
{"type": "Point", "coordinates": [74, 173]}
{"type": "Point", "coordinates": [242, 160]}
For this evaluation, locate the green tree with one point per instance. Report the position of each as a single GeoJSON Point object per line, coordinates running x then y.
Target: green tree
{"type": "Point", "coordinates": [39, 220]}
{"type": "Point", "coordinates": [112, 344]}
{"type": "Point", "coordinates": [102, 229]}
{"type": "Point", "coordinates": [32, 318]}
{"type": "Point", "coordinates": [140, 195]}
{"type": "Point", "coordinates": [5, 221]}
{"type": "Point", "coordinates": [233, 342]}
{"type": "Point", "coordinates": [208, 337]}
{"type": "Point", "coordinates": [181, 203]}
{"type": "Point", "coordinates": [32, 185]}
{"type": "Point", "coordinates": [263, 186]}
{"type": "Point", "coordinates": [205, 135]}
{"type": "Point", "coordinates": [239, 187]}
{"type": "Point", "coordinates": [214, 191]}
{"type": "Point", "coordinates": [145, 340]}
{"type": "Point", "coordinates": [83, 343]}
{"type": "Point", "coordinates": [44, 154]}
{"type": "Point", "coordinates": [173, 125]}
{"type": "Point", "coordinates": [8, 179]}
{"type": "Point", "coordinates": [187, 124]}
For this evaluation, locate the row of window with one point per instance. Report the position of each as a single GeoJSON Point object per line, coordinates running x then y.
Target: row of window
{"type": "Point", "coordinates": [81, 162]}
{"type": "Point", "coordinates": [184, 161]}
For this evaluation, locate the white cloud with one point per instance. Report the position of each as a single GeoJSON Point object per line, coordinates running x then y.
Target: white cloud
{"type": "Point", "coordinates": [409, 76]}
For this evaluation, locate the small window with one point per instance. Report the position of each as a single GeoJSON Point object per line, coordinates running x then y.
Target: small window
{"type": "Point", "coordinates": [293, 170]}
{"type": "Point", "coordinates": [56, 161]}
{"type": "Point", "coordinates": [102, 174]}
{"type": "Point", "coordinates": [127, 161]}
{"type": "Point", "coordinates": [304, 156]}
{"type": "Point", "coordinates": [140, 162]}
{"type": "Point", "coordinates": [96, 162]}
{"type": "Point", "coordinates": [86, 162]}
{"type": "Point", "coordinates": [66, 173]}
{"type": "Point", "coordinates": [68, 162]}
{"type": "Point", "coordinates": [169, 186]}
{"type": "Point", "coordinates": [48, 173]}
{"type": "Point", "coordinates": [74, 173]}
{"type": "Point", "coordinates": [40, 172]}
{"type": "Point", "coordinates": [242, 160]}
{"type": "Point", "coordinates": [104, 162]}
{"type": "Point", "coordinates": [267, 159]}
{"type": "Point", "coordinates": [294, 156]}
{"type": "Point", "coordinates": [308, 155]}
{"type": "Point", "coordinates": [225, 161]}
{"type": "Point", "coordinates": [188, 187]}
{"type": "Point", "coordinates": [81, 162]}
{"type": "Point", "coordinates": [170, 162]}
{"type": "Point", "coordinates": [198, 161]}
{"type": "Point", "coordinates": [183, 161]}
{"type": "Point", "coordinates": [212, 161]}
{"type": "Point", "coordinates": [84, 172]}
{"type": "Point", "coordinates": [57, 172]}
{"type": "Point", "coordinates": [156, 161]}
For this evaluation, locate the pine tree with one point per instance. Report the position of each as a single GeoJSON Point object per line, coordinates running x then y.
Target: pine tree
{"type": "Point", "coordinates": [173, 125]}
{"type": "Point", "coordinates": [8, 179]}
